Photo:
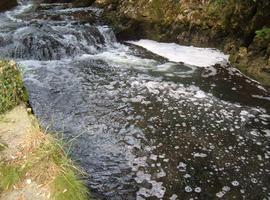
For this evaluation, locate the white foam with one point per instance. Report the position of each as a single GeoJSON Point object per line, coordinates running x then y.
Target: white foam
{"type": "Point", "coordinates": [261, 97]}
{"type": "Point", "coordinates": [200, 57]}
{"type": "Point", "coordinates": [20, 9]}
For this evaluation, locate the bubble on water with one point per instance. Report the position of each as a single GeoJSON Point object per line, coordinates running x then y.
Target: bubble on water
{"type": "Point", "coordinates": [173, 197]}
{"type": "Point", "coordinates": [259, 143]}
{"type": "Point", "coordinates": [201, 155]}
{"type": "Point", "coordinates": [182, 167]}
{"type": "Point", "coordinates": [226, 188]}
{"type": "Point", "coordinates": [187, 176]}
{"type": "Point", "coordinates": [153, 157]}
{"type": "Point", "coordinates": [188, 189]}
{"type": "Point", "coordinates": [157, 190]}
{"type": "Point", "coordinates": [254, 180]}
{"type": "Point", "coordinates": [235, 183]}
{"type": "Point", "coordinates": [197, 189]}
{"type": "Point", "coordinates": [161, 174]}
{"type": "Point", "coordinates": [254, 133]}
{"type": "Point", "coordinates": [220, 194]}
{"type": "Point", "coordinates": [162, 156]}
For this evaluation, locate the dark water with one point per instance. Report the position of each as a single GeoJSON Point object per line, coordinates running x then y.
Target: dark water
{"type": "Point", "coordinates": [138, 131]}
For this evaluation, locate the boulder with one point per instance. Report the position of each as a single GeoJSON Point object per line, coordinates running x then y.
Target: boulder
{"type": "Point", "coordinates": [83, 3]}
{"type": "Point", "coordinates": [7, 4]}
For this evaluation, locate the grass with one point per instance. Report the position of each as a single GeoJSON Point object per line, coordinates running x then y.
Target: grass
{"type": "Point", "coordinates": [66, 186]}
{"type": "Point", "coordinates": [9, 175]}
{"type": "Point", "coordinates": [12, 90]}
{"type": "Point", "coordinates": [47, 165]}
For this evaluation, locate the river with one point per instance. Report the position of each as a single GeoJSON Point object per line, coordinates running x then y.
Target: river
{"type": "Point", "coordinates": [145, 120]}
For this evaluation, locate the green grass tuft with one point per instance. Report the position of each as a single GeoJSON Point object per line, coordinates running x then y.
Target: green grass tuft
{"type": "Point", "coordinates": [67, 186]}
{"type": "Point", "coordinates": [9, 175]}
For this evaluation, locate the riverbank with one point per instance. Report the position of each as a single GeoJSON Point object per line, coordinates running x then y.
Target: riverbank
{"type": "Point", "coordinates": [33, 164]}
{"type": "Point", "coordinates": [240, 29]}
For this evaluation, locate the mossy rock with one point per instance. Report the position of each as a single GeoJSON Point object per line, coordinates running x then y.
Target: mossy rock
{"type": "Point", "coordinates": [12, 90]}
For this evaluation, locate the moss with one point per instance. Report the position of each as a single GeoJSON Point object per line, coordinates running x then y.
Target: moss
{"type": "Point", "coordinates": [12, 90]}
{"type": "Point", "coordinates": [263, 33]}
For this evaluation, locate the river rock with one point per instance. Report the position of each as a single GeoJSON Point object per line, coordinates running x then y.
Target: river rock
{"type": "Point", "coordinates": [76, 3]}
{"type": "Point", "coordinates": [7, 4]}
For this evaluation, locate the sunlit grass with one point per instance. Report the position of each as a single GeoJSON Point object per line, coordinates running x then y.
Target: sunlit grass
{"type": "Point", "coordinates": [48, 165]}
{"type": "Point", "coordinates": [67, 186]}
{"type": "Point", "coordinates": [9, 176]}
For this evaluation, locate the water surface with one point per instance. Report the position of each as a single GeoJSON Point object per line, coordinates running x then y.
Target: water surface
{"type": "Point", "coordinates": [143, 126]}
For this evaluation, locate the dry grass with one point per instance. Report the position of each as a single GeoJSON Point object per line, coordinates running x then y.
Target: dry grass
{"type": "Point", "coordinates": [40, 158]}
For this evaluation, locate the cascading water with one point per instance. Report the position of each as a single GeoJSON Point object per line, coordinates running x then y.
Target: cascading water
{"type": "Point", "coordinates": [141, 126]}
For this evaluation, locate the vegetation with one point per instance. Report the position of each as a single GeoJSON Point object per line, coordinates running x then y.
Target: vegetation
{"type": "Point", "coordinates": [12, 91]}
{"type": "Point", "coordinates": [263, 33]}
{"type": "Point", "coordinates": [48, 162]}
{"type": "Point", "coordinates": [39, 157]}
{"type": "Point", "coordinates": [76, 189]}
{"type": "Point", "coordinates": [9, 175]}
{"type": "Point", "coordinates": [228, 25]}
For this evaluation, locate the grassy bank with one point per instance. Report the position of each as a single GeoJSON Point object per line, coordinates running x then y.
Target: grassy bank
{"type": "Point", "coordinates": [33, 164]}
